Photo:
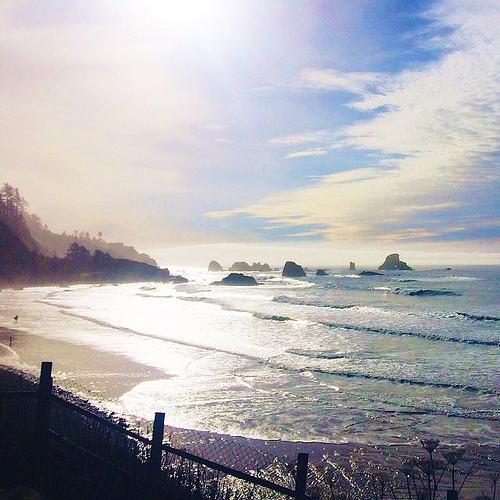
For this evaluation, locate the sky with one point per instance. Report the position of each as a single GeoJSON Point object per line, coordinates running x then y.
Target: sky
{"type": "Point", "coordinates": [261, 130]}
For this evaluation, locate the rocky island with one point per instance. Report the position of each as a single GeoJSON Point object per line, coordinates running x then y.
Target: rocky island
{"type": "Point", "coordinates": [245, 266]}
{"type": "Point", "coordinates": [392, 263]}
{"type": "Point", "coordinates": [215, 267]}
{"type": "Point", "coordinates": [236, 279]}
{"type": "Point", "coordinates": [292, 270]}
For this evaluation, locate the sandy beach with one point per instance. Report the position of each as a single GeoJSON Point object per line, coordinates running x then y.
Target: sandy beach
{"type": "Point", "coordinates": [90, 372]}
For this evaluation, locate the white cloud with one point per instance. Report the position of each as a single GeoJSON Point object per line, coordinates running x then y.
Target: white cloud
{"type": "Point", "coordinates": [439, 125]}
{"type": "Point", "coordinates": [308, 152]}
{"type": "Point", "coordinates": [329, 79]}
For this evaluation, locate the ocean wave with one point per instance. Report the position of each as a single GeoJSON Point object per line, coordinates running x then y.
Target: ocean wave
{"type": "Point", "coordinates": [272, 317]}
{"type": "Point", "coordinates": [284, 299]}
{"type": "Point", "coordinates": [414, 408]}
{"type": "Point", "coordinates": [195, 345]}
{"type": "Point", "coordinates": [316, 354]}
{"type": "Point", "coordinates": [478, 317]}
{"type": "Point", "coordinates": [149, 296]}
{"type": "Point", "coordinates": [421, 335]}
{"type": "Point", "coordinates": [406, 381]}
{"type": "Point", "coordinates": [422, 292]}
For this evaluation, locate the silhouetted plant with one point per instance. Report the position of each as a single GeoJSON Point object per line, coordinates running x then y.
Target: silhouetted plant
{"type": "Point", "coordinates": [494, 480]}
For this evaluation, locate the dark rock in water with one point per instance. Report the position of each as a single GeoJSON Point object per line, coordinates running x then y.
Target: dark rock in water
{"type": "Point", "coordinates": [292, 270]}
{"type": "Point", "coordinates": [392, 263]}
{"type": "Point", "coordinates": [370, 273]}
{"type": "Point", "coordinates": [214, 266]}
{"type": "Point", "coordinates": [352, 266]}
{"type": "Point", "coordinates": [237, 279]}
{"type": "Point", "coordinates": [245, 266]}
{"type": "Point", "coordinates": [321, 272]}
{"type": "Point", "coordinates": [179, 279]}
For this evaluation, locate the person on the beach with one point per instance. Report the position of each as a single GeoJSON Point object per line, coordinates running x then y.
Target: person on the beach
{"type": "Point", "coordinates": [16, 317]}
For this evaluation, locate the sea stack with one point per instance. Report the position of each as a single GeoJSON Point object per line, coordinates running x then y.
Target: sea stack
{"type": "Point", "coordinates": [214, 266]}
{"type": "Point", "coordinates": [352, 266]}
{"type": "Point", "coordinates": [392, 263]}
{"type": "Point", "coordinates": [292, 270]}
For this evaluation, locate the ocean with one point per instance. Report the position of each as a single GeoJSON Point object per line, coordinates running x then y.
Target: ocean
{"type": "Point", "coordinates": [341, 358]}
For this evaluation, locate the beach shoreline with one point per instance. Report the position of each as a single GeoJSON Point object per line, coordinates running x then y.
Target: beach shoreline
{"type": "Point", "coordinates": [79, 373]}
{"type": "Point", "coordinates": [93, 373]}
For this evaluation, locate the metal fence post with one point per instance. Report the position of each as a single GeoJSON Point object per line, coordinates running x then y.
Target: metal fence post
{"type": "Point", "coordinates": [301, 477]}
{"type": "Point", "coordinates": [156, 444]}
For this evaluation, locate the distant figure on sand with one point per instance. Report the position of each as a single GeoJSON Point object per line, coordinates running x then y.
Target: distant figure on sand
{"type": "Point", "coordinates": [16, 317]}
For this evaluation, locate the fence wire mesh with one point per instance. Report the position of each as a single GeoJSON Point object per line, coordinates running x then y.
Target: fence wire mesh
{"type": "Point", "coordinates": [364, 473]}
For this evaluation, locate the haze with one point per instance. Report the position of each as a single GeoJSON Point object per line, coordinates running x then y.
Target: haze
{"type": "Point", "coordinates": [258, 130]}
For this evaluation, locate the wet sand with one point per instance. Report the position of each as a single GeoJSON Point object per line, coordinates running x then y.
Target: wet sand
{"type": "Point", "coordinates": [78, 368]}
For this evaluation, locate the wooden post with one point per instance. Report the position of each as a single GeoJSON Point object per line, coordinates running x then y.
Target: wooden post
{"type": "Point", "coordinates": [42, 422]}
{"type": "Point", "coordinates": [44, 399]}
{"type": "Point", "coordinates": [301, 477]}
{"type": "Point", "coordinates": [157, 442]}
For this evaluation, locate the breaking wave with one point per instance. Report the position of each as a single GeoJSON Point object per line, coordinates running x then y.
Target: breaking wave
{"type": "Point", "coordinates": [272, 317]}
{"type": "Point", "coordinates": [423, 292]}
{"type": "Point", "coordinates": [478, 317]}
{"type": "Point", "coordinates": [315, 354]}
{"type": "Point", "coordinates": [284, 299]}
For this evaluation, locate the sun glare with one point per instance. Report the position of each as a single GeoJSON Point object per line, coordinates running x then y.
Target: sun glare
{"type": "Point", "coordinates": [186, 15]}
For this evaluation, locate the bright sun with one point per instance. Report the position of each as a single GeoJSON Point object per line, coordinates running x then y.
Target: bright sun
{"type": "Point", "coordinates": [184, 14]}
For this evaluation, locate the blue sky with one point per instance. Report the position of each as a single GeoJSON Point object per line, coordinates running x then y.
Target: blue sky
{"type": "Point", "coordinates": [246, 127]}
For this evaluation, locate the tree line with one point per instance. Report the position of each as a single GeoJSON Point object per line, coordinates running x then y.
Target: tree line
{"type": "Point", "coordinates": [24, 260]}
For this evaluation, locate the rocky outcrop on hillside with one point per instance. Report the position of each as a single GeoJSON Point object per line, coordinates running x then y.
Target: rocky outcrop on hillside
{"type": "Point", "coordinates": [292, 270]}
{"type": "Point", "coordinates": [392, 263]}
{"type": "Point", "coordinates": [21, 266]}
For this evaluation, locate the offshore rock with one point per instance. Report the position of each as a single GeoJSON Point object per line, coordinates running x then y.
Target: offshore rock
{"type": "Point", "coordinates": [392, 263]}
{"type": "Point", "coordinates": [236, 279]}
{"type": "Point", "coordinates": [245, 266]}
{"type": "Point", "coordinates": [292, 270]}
{"type": "Point", "coordinates": [370, 273]}
{"type": "Point", "coordinates": [176, 280]}
{"type": "Point", "coordinates": [321, 272]}
{"type": "Point", "coordinates": [214, 266]}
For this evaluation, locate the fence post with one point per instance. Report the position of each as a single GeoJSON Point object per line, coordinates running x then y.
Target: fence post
{"type": "Point", "coordinates": [44, 399]}
{"type": "Point", "coordinates": [157, 442]}
{"type": "Point", "coordinates": [301, 477]}
{"type": "Point", "coordinates": [42, 422]}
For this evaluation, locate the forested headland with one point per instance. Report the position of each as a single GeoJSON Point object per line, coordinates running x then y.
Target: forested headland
{"type": "Point", "coordinates": [32, 254]}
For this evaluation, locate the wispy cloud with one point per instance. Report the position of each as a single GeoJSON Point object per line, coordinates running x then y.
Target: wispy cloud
{"type": "Point", "coordinates": [330, 79]}
{"type": "Point", "coordinates": [438, 124]}
{"type": "Point", "coordinates": [308, 152]}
